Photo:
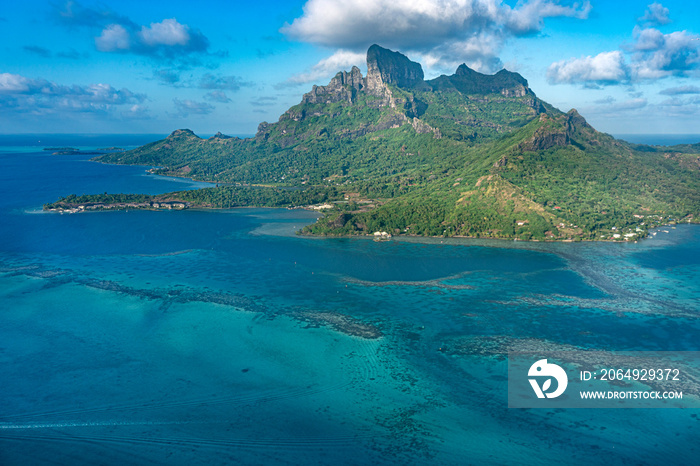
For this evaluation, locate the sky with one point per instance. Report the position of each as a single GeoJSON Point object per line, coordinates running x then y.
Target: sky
{"type": "Point", "coordinates": [629, 67]}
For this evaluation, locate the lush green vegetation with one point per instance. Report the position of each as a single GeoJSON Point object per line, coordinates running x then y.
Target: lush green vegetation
{"type": "Point", "coordinates": [219, 197]}
{"type": "Point", "coordinates": [461, 155]}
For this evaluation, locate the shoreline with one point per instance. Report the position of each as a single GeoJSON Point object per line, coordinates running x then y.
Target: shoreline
{"type": "Point", "coordinates": [157, 206]}
{"type": "Point", "coordinates": [176, 204]}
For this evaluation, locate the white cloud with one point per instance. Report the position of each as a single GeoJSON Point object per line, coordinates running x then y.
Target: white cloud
{"type": "Point", "coordinates": [328, 67]}
{"type": "Point", "coordinates": [217, 96]}
{"type": "Point", "coordinates": [167, 32]}
{"type": "Point", "coordinates": [648, 39]}
{"type": "Point", "coordinates": [40, 96]}
{"type": "Point", "coordinates": [480, 51]}
{"type": "Point", "coordinates": [659, 55]}
{"type": "Point", "coordinates": [681, 90]}
{"type": "Point", "coordinates": [606, 100]}
{"type": "Point", "coordinates": [604, 67]}
{"type": "Point", "coordinates": [529, 16]}
{"type": "Point", "coordinates": [430, 27]}
{"type": "Point", "coordinates": [652, 55]}
{"type": "Point", "coordinates": [13, 83]}
{"type": "Point", "coordinates": [137, 112]}
{"type": "Point", "coordinates": [107, 94]}
{"type": "Point", "coordinates": [113, 38]}
{"type": "Point", "coordinates": [656, 14]}
{"type": "Point", "coordinates": [188, 107]}
{"type": "Point", "coordinates": [167, 39]}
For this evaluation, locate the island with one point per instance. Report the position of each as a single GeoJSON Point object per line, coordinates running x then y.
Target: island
{"type": "Point", "coordinates": [61, 149]}
{"type": "Point", "coordinates": [465, 155]}
{"type": "Point", "coordinates": [75, 151]}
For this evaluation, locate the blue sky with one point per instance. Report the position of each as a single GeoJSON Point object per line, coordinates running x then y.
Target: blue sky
{"type": "Point", "coordinates": [155, 66]}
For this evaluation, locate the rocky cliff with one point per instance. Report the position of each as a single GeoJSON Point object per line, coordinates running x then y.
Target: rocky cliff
{"type": "Point", "coordinates": [469, 82]}
{"type": "Point", "coordinates": [387, 67]}
{"type": "Point", "coordinates": [343, 87]}
{"type": "Point", "coordinates": [383, 67]}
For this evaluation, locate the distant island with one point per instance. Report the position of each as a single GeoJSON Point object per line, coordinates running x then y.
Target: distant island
{"type": "Point", "coordinates": [74, 151]}
{"type": "Point", "coordinates": [468, 155]}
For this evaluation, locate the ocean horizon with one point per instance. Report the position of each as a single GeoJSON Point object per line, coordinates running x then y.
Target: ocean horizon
{"type": "Point", "coordinates": [660, 139]}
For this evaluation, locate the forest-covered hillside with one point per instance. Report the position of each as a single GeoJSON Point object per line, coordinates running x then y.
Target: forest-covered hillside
{"type": "Point", "coordinates": [461, 155]}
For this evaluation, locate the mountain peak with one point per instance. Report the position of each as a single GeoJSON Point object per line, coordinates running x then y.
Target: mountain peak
{"type": "Point", "coordinates": [220, 135]}
{"type": "Point", "coordinates": [468, 81]}
{"type": "Point", "coordinates": [575, 122]}
{"type": "Point", "coordinates": [181, 133]}
{"type": "Point", "coordinates": [388, 67]}
{"type": "Point", "coordinates": [464, 70]}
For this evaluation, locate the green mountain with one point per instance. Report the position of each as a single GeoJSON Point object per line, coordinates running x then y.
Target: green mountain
{"type": "Point", "coordinates": [462, 155]}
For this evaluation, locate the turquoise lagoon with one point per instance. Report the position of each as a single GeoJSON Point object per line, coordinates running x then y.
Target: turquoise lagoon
{"type": "Point", "coordinates": [219, 337]}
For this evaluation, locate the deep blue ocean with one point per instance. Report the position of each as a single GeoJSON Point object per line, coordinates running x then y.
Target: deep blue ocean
{"type": "Point", "coordinates": [220, 337]}
{"type": "Point", "coordinates": [660, 139]}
